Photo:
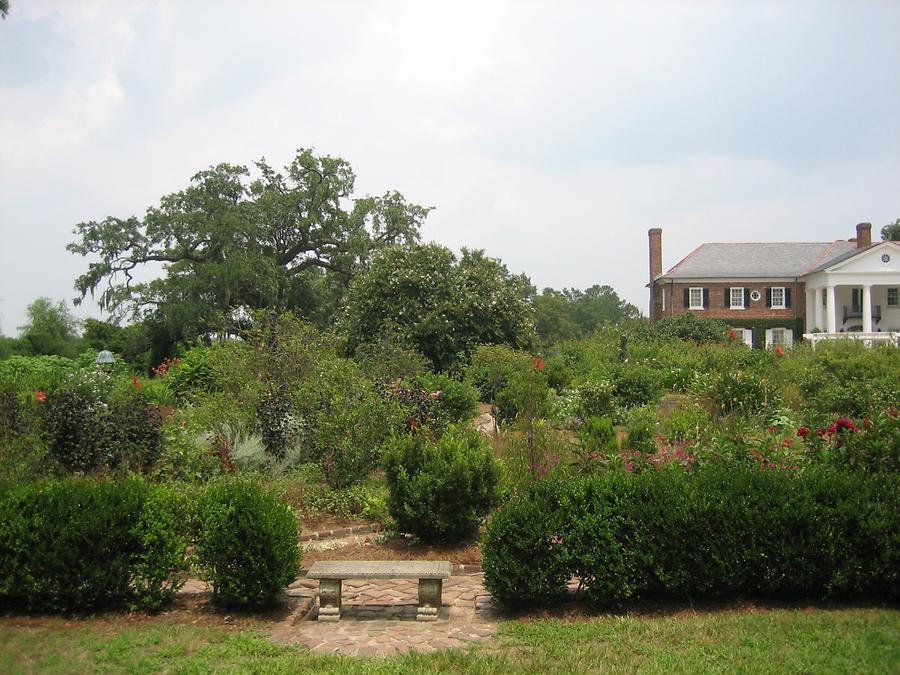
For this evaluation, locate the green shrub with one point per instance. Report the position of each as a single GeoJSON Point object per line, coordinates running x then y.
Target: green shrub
{"type": "Point", "coordinates": [36, 373]}
{"type": "Point", "coordinates": [596, 396]}
{"type": "Point", "coordinates": [83, 545]}
{"type": "Point", "coordinates": [524, 560]}
{"type": "Point", "coordinates": [457, 402]}
{"type": "Point", "coordinates": [246, 542]}
{"type": "Point", "coordinates": [643, 426]}
{"type": "Point", "coordinates": [636, 384]}
{"type": "Point", "coordinates": [687, 422]}
{"type": "Point", "coordinates": [440, 491]}
{"type": "Point", "coordinates": [597, 434]}
{"type": "Point", "coordinates": [725, 530]}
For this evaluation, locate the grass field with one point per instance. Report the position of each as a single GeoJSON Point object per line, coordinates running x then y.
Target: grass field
{"type": "Point", "coordinates": [740, 640]}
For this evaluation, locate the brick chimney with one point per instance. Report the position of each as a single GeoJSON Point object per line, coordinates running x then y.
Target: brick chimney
{"type": "Point", "coordinates": [863, 235]}
{"type": "Point", "coordinates": [655, 235]}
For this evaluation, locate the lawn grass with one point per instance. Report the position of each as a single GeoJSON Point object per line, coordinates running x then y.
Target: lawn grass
{"type": "Point", "coordinates": [754, 640]}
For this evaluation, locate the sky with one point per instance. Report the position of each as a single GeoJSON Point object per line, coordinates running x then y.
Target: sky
{"type": "Point", "coordinates": [551, 134]}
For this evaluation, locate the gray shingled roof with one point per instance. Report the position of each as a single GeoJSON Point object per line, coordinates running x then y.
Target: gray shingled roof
{"type": "Point", "coordinates": [761, 259]}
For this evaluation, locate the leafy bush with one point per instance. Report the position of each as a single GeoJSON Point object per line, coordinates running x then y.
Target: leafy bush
{"type": "Point", "coordinates": [691, 327]}
{"type": "Point", "coordinates": [722, 529]}
{"type": "Point", "coordinates": [246, 542]}
{"type": "Point", "coordinates": [492, 366]}
{"type": "Point", "coordinates": [636, 384]}
{"type": "Point", "coordinates": [36, 373]}
{"type": "Point", "coordinates": [82, 545]}
{"type": "Point", "coordinates": [457, 401]}
{"type": "Point", "coordinates": [687, 422]}
{"type": "Point", "coordinates": [440, 491]}
{"type": "Point", "coordinates": [85, 433]}
{"type": "Point", "coordinates": [525, 562]}
{"type": "Point", "coordinates": [597, 434]}
{"type": "Point", "coordinates": [643, 424]}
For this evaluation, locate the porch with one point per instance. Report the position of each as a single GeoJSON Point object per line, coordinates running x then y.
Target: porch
{"type": "Point", "coordinates": [869, 339]}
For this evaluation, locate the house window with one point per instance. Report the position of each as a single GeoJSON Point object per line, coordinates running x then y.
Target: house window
{"type": "Point", "coordinates": [745, 335]}
{"type": "Point", "coordinates": [696, 298]}
{"type": "Point", "coordinates": [892, 297]}
{"type": "Point", "coordinates": [737, 298]}
{"type": "Point", "coordinates": [779, 336]}
{"type": "Point", "coordinates": [778, 297]}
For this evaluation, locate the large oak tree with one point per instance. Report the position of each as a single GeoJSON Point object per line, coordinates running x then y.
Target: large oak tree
{"type": "Point", "coordinates": [287, 240]}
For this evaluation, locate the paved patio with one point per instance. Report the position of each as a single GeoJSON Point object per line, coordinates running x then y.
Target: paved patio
{"type": "Point", "coordinates": [379, 617]}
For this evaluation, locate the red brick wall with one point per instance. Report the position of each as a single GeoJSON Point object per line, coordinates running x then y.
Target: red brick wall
{"type": "Point", "coordinates": [718, 307]}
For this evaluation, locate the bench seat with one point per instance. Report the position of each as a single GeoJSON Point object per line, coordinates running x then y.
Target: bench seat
{"type": "Point", "coordinates": [330, 573]}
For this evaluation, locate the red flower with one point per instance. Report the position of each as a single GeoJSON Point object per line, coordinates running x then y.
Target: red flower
{"type": "Point", "coordinates": [135, 382]}
{"type": "Point", "coordinates": [779, 350]}
{"type": "Point", "coordinates": [732, 335]}
{"type": "Point", "coordinates": [803, 432]}
{"type": "Point", "coordinates": [842, 423]}
{"type": "Point", "coordinates": [820, 431]}
{"type": "Point", "coordinates": [538, 363]}
{"type": "Point", "coordinates": [787, 443]}
{"type": "Point", "coordinates": [40, 396]}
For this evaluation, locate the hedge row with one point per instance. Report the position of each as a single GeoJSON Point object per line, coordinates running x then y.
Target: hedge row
{"type": "Point", "coordinates": [720, 531]}
{"type": "Point", "coordinates": [83, 545]}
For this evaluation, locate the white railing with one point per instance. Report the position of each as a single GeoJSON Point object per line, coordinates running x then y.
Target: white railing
{"type": "Point", "coordinates": [868, 338]}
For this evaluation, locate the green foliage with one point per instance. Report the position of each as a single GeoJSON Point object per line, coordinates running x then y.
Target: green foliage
{"type": "Point", "coordinates": [570, 313]}
{"type": "Point", "coordinates": [642, 423]}
{"type": "Point", "coordinates": [281, 240]}
{"type": "Point", "coordinates": [87, 427]}
{"type": "Point", "coordinates": [636, 384]}
{"type": "Point", "coordinates": [51, 329]}
{"type": "Point", "coordinates": [524, 559]}
{"type": "Point", "coordinates": [440, 491]}
{"type": "Point", "coordinates": [457, 401]}
{"type": "Point", "coordinates": [492, 366]}
{"type": "Point", "coordinates": [81, 545]}
{"type": "Point", "coordinates": [387, 359]}
{"type": "Point", "coordinates": [36, 373]}
{"type": "Point", "coordinates": [246, 542]}
{"type": "Point", "coordinates": [691, 327]}
{"type": "Point", "coordinates": [688, 422]}
{"type": "Point", "coordinates": [891, 231]}
{"type": "Point", "coordinates": [723, 530]}
{"type": "Point", "coordinates": [442, 306]}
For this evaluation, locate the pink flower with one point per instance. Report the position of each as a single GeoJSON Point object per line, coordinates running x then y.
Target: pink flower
{"type": "Point", "coordinates": [40, 396]}
{"type": "Point", "coordinates": [787, 443]}
{"type": "Point", "coordinates": [803, 432]}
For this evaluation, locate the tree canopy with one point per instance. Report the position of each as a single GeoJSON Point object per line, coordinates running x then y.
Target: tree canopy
{"type": "Point", "coordinates": [561, 315]}
{"type": "Point", "coordinates": [441, 305]}
{"type": "Point", "coordinates": [891, 231]}
{"type": "Point", "coordinates": [51, 328]}
{"type": "Point", "coordinates": [283, 240]}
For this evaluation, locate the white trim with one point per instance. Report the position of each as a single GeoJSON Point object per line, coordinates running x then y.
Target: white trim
{"type": "Point", "coordinates": [731, 302]}
{"type": "Point", "coordinates": [782, 304]}
{"type": "Point", "coordinates": [691, 304]}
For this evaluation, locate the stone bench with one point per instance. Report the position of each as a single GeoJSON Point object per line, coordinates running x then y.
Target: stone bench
{"type": "Point", "coordinates": [331, 573]}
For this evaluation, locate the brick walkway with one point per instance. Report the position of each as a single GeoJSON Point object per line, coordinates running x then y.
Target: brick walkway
{"type": "Point", "coordinates": [379, 617]}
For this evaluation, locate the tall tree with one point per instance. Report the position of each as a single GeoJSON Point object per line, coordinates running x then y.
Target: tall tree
{"type": "Point", "coordinates": [571, 312]}
{"type": "Point", "coordinates": [281, 240]}
{"type": "Point", "coordinates": [441, 305]}
{"type": "Point", "coordinates": [891, 232]}
{"type": "Point", "coordinates": [51, 328]}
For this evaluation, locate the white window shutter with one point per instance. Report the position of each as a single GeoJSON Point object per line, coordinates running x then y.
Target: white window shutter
{"type": "Point", "coordinates": [788, 337]}
{"type": "Point", "coordinates": [768, 337]}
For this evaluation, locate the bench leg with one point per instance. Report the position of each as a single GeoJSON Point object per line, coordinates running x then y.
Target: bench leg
{"type": "Point", "coordinates": [429, 599]}
{"type": "Point", "coordinates": [329, 599]}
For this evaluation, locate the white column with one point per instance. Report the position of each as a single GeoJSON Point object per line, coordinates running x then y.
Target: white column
{"type": "Point", "coordinates": [810, 310]}
{"type": "Point", "coordinates": [819, 310]}
{"type": "Point", "coordinates": [831, 309]}
{"type": "Point", "coordinates": [867, 308]}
